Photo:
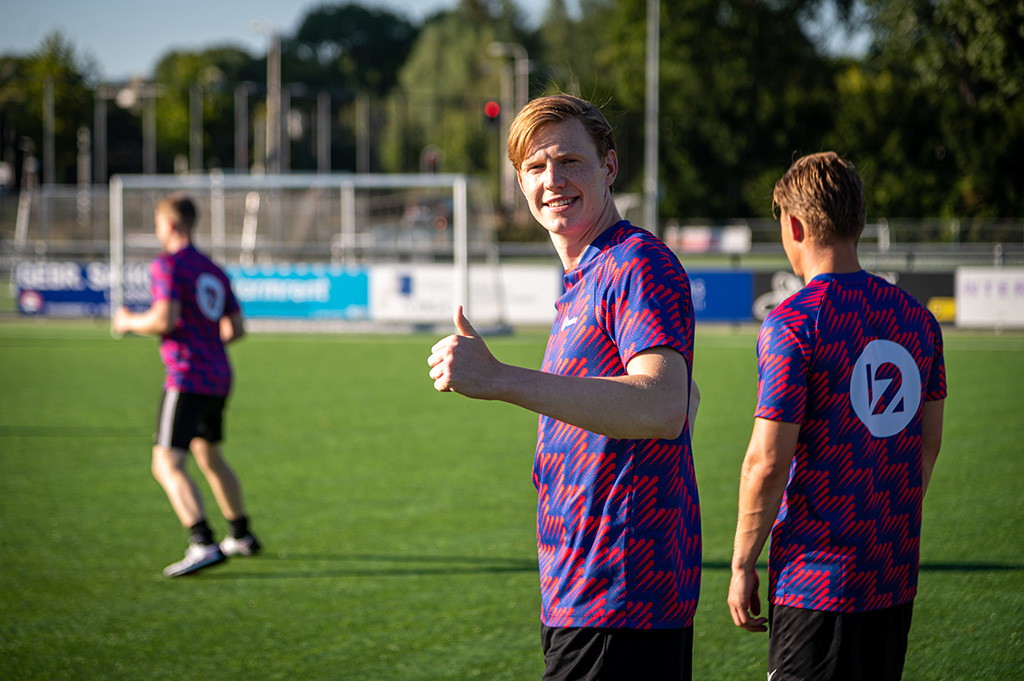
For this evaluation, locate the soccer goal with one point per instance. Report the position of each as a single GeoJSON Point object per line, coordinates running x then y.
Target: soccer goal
{"type": "Point", "coordinates": [345, 249]}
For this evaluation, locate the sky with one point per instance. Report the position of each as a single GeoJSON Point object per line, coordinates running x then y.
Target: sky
{"type": "Point", "coordinates": [128, 37]}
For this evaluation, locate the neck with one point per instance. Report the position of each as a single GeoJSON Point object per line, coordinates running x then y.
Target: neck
{"type": "Point", "coordinates": [177, 243]}
{"type": "Point", "coordinates": [832, 259]}
{"type": "Point", "coordinates": [571, 249]}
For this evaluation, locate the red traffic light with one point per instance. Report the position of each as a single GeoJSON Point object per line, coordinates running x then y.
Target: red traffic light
{"type": "Point", "coordinates": [492, 109]}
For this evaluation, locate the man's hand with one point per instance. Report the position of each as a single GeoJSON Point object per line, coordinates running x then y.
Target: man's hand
{"type": "Point", "coordinates": [122, 317]}
{"type": "Point", "coordinates": [462, 362]}
{"type": "Point", "coordinates": [744, 601]}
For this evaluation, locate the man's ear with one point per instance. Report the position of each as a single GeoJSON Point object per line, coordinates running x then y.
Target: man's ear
{"type": "Point", "coordinates": [796, 228]}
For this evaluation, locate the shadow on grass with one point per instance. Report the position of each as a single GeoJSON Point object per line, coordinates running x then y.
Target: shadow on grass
{"type": "Point", "coordinates": [74, 431]}
{"type": "Point", "coordinates": [318, 565]}
{"type": "Point", "coordinates": [925, 567]}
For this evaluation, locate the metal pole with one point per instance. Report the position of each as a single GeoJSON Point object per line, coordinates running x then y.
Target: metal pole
{"type": "Point", "coordinates": [100, 116]}
{"type": "Point", "coordinates": [362, 133]}
{"type": "Point", "coordinates": [508, 180]}
{"type": "Point", "coordinates": [460, 217]}
{"type": "Point", "coordinates": [323, 132]}
{"type": "Point", "coordinates": [149, 130]}
{"type": "Point", "coordinates": [651, 120]}
{"type": "Point", "coordinates": [49, 155]}
{"type": "Point", "coordinates": [274, 104]}
{"type": "Point", "coordinates": [242, 127]}
{"type": "Point", "coordinates": [196, 128]}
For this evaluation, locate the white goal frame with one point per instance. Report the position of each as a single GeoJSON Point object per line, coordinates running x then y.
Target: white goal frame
{"type": "Point", "coordinates": [214, 184]}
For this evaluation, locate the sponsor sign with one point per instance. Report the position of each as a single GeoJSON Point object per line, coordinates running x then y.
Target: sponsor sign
{"type": "Point", "coordinates": [722, 296]}
{"type": "Point", "coordinates": [74, 289]}
{"type": "Point", "coordinates": [990, 297]}
{"type": "Point", "coordinates": [301, 291]}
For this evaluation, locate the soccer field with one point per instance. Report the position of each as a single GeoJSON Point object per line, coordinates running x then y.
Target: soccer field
{"type": "Point", "coordinates": [399, 523]}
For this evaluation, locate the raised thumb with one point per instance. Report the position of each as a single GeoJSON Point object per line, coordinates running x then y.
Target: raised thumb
{"type": "Point", "coordinates": [462, 324]}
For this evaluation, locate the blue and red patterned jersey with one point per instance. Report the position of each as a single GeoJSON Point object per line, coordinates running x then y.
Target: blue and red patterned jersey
{"type": "Point", "coordinates": [852, 359]}
{"type": "Point", "coordinates": [193, 352]}
{"type": "Point", "coordinates": [618, 521]}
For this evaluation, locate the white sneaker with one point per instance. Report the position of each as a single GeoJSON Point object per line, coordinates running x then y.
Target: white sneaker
{"type": "Point", "coordinates": [246, 546]}
{"type": "Point", "coordinates": [197, 557]}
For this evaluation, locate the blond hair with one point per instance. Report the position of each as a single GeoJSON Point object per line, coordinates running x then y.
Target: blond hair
{"type": "Point", "coordinates": [181, 211]}
{"type": "Point", "coordinates": [557, 109]}
{"type": "Point", "coordinates": [826, 193]}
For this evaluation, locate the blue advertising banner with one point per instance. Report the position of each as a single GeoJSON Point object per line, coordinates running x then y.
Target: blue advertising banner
{"type": "Point", "coordinates": [74, 289]}
{"type": "Point", "coordinates": [302, 291]}
{"type": "Point", "coordinates": [722, 296]}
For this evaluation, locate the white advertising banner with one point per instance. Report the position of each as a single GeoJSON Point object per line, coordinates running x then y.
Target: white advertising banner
{"type": "Point", "coordinates": [510, 294]}
{"type": "Point", "coordinates": [990, 297]}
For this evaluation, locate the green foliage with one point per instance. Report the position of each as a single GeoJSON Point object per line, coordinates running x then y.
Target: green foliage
{"type": "Point", "coordinates": [399, 523]}
{"type": "Point", "coordinates": [351, 47]}
{"type": "Point", "coordinates": [22, 95]}
{"type": "Point", "coordinates": [932, 112]}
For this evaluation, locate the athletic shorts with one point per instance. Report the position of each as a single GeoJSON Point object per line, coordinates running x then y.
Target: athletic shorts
{"type": "Point", "coordinates": [590, 654]}
{"type": "Point", "coordinates": [183, 416]}
{"type": "Point", "coordinates": [838, 646]}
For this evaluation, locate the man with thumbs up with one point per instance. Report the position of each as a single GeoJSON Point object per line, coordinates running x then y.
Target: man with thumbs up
{"type": "Point", "coordinates": [618, 533]}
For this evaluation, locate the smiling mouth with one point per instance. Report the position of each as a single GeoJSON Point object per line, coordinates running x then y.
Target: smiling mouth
{"type": "Point", "coordinates": [559, 203]}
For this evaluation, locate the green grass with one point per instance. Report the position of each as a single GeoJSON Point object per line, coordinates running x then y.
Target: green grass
{"type": "Point", "coordinates": [399, 522]}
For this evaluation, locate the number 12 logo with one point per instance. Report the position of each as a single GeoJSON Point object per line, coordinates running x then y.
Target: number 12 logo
{"type": "Point", "coordinates": [870, 381]}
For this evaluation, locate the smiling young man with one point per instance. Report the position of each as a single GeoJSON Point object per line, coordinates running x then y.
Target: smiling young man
{"type": "Point", "coordinates": [846, 434]}
{"type": "Point", "coordinates": [618, 517]}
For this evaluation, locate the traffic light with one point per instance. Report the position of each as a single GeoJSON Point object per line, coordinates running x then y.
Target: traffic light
{"type": "Point", "coordinates": [492, 112]}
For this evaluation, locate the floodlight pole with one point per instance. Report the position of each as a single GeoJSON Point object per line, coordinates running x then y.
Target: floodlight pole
{"type": "Point", "coordinates": [522, 95]}
{"type": "Point", "coordinates": [651, 120]}
{"type": "Point", "coordinates": [273, 95]}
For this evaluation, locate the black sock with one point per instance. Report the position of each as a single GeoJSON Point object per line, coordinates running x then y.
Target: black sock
{"type": "Point", "coordinates": [239, 527]}
{"type": "Point", "coordinates": [200, 533]}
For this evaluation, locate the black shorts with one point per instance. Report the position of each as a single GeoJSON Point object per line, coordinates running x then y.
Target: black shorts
{"type": "Point", "coordinates": [183, 416]}
{"type": "Point", "coordinates": [838, 646]}
{"type": "Point", "coordinates": [585, 654]}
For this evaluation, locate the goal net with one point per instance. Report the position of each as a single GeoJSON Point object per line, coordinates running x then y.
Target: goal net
{"type": "Point", "coordinates": [306, 252]}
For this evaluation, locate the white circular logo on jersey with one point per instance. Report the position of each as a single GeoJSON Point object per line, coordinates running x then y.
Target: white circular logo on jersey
{"type": "Point", "coordinates": [884, 408]}
{"type": "Point", "coordinates": [210, 296]}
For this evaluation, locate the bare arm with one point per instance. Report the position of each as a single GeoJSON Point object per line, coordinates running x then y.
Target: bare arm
{"type": "Point", "coordinates": [762, 483]}
{"type": "Point", "coordinates": [232, 327]}
{"type": "Point", "coordinates": [161, 318]}
{"type": "Point", "coordinates": [649, 402]}
{"type": "Point", "coordinates": [931, 440]}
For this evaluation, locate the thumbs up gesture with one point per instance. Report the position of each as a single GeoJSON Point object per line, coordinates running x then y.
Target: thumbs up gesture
{"type": "Point", "coordinates": [463, 363]}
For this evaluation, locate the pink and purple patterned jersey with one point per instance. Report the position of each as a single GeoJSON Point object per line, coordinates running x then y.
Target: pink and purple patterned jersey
{"type": "Point", "coordinates": [618, 521]}
{"type": "Point", "coordinates": [852, 359]}
{"type": "Point", "coordinates": [193, 352]}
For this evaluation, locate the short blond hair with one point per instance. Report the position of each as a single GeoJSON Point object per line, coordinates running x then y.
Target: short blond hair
{"type": "Point", "coordinates": [556, 109]}
{"type": "Point", "coordinates": [826, 193]}
{"type": "Point", "coordinates": [181, 211]}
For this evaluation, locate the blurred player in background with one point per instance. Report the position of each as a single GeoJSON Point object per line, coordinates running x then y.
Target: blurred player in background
{"type": "Point", "coordinates": [195, 313]}
{"type": "Point", "coordinates": [618, 524]}
{"type": "Point", "coordinates": [846, 433]}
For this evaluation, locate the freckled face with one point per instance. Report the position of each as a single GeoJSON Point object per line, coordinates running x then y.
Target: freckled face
{"type": "Point", "coordinates": [565, 182]}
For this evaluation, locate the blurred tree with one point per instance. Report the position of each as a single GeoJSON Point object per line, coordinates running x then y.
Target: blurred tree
{"type": "Point", "coordinates": [962, 63]}
{"type": "Point", "coordinates": [743, 89]}
{"type": "Point", "coordinates": [22, 86]}
{"type": "Point", "coordinates": [350, 46]}
{"type": "Point", "coordinates": [443, 87]}
{"type": "Point", "coordinates": [216, 71]}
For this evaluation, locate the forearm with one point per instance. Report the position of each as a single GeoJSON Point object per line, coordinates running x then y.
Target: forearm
{"type": "Point", "coordinates": [148, 323]}
{"type": "Point", "coordinates": [763, 481]}
{"type": "Point", "coordinates": [625, 407]}
{"type": "Point", "coordinates": [759, 502]}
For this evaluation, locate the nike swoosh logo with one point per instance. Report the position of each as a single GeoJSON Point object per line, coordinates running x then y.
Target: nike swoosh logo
{"type": "Point", "coordinates": [771, 674]}
{"type": "Point", "coordinates": [566, 323]}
